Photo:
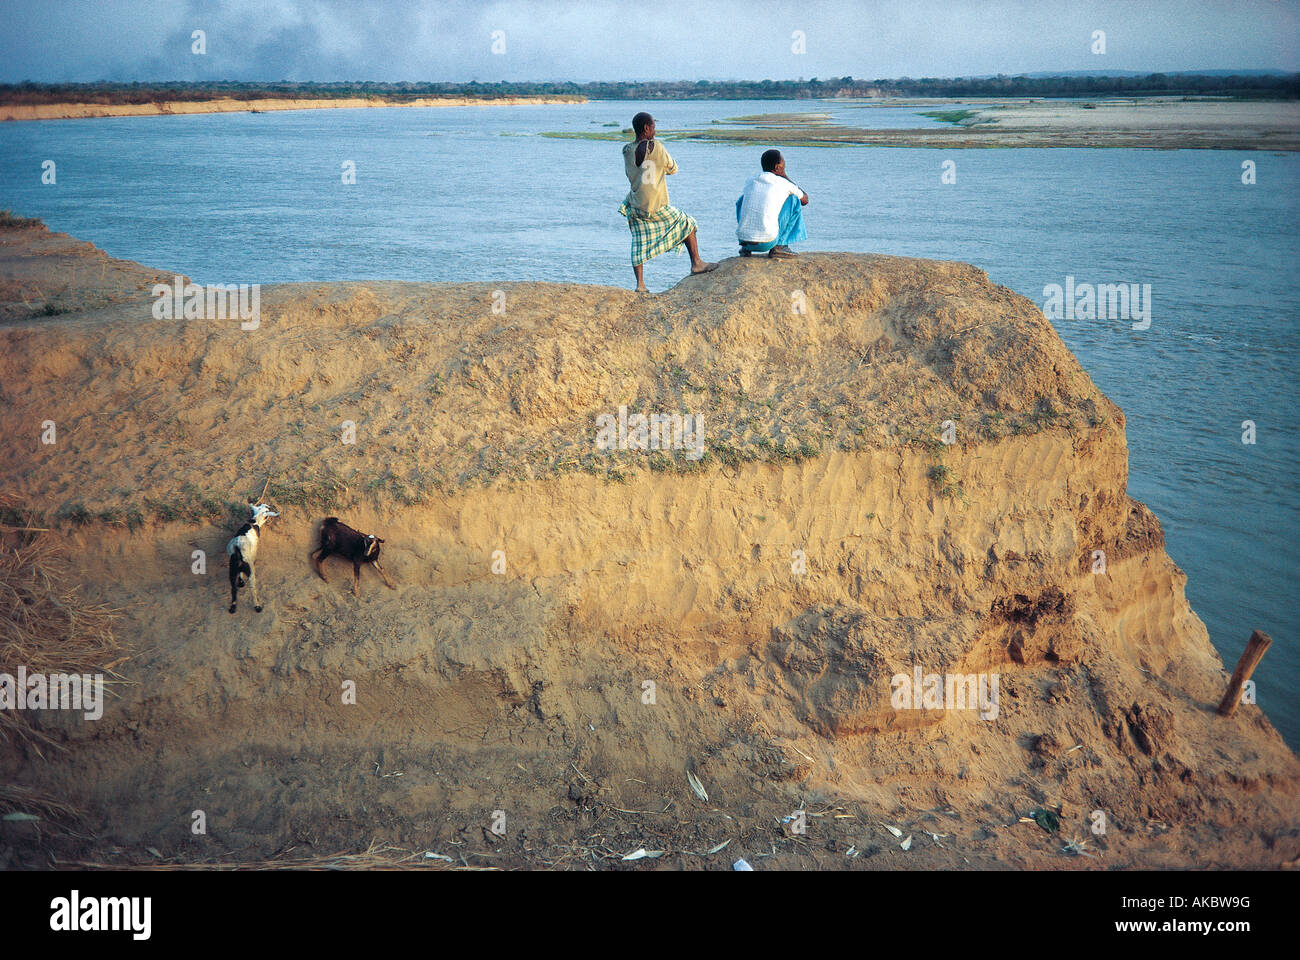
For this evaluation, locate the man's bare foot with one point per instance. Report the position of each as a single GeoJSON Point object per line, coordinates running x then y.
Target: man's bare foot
{"type": "Point", "coordinates": [782, 253]}
{"type": "Point", "coordinates": [703, 267]}
{"type": "Point", "coordinates": [643, 289]}
{"type": "Point", "coordinates": [746, 253]}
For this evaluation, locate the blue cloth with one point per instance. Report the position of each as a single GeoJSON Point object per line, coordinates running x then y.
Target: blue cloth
{"type": "Point", "coordinates": [790, 230]}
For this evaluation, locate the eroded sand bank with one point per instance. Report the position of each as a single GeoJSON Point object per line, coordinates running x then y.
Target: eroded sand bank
{"type": "Point", "coordinates": [68, 111]}
{"type": "Point", "coordinates": [770, 592]}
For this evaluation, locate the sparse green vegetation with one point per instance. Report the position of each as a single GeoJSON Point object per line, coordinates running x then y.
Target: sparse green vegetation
{"type": "Point", "coordinates": [781, 129]}
{"type": "Point", "coordinates": [725, 453]}
{"type": "Point", "coordinates": [779, 119]}
{"type": "Point", "coordinates": [74, 514]}
{"type": "Point", "coordinates": [12, 221]}
{"type": "Point", "coordinates": [950, 116]}
{"type": "Point", "coordinates": [796, 451]}
{"type": "Point", "coordinates": [945, 483]}
{"type": "Point", "coordinates": [327, 492]}
{"type": "Point", "coordinates": [594, 135]}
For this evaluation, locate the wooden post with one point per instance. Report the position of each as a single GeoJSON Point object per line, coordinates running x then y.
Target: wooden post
{"type": "Point", "coordinates": [1259, 642]}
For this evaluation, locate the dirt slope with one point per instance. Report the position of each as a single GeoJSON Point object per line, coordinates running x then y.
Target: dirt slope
{"type": "Point", "coordinates": [826, 541]}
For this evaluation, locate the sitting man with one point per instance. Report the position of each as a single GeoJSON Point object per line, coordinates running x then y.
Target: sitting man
{"type": "Point", "coordinates": [770, 211]}
{"type": "Point", "coordinates": [656, 226]}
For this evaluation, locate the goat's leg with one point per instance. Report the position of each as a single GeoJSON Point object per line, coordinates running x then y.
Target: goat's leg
{"type": "Point", "coordinates": [356, 578]}
{"type": "Point", "coordinates": [252, 582]}
{"type": "Point", "coordinates": [384, 575]}
{"type": "Point", "coordinates": [234, 581]}
{"type": "Point", "coordinates": [317, 556]}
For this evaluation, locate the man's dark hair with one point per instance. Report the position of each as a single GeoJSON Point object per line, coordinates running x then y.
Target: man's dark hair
{"type": "Point", "coordinates": [641, 121]}
{"type": "Point", "coordinates": [770, 159]}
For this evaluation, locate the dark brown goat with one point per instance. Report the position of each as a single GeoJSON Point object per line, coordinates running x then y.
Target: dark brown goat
{"type": "Point", "coordinates": [338, 538]}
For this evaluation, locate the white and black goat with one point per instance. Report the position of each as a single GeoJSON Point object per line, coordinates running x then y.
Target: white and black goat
{"type": "Point", "coordinates": [243, 553]}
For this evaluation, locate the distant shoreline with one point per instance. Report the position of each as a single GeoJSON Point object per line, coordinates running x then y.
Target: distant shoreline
{"type": "Point", "coordinates": [78, 111]}
{"type": "Point", "coordinates": [1149, 123]}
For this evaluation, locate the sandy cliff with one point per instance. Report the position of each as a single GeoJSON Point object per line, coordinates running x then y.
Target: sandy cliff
{"type": "Point", "coordinates": [827, 541]}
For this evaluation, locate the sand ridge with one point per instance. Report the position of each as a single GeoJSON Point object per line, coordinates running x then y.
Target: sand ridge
{"type": "Point", "coordinates": [769, 592]}
{"type": "Point", "coordinates": [71, 111]}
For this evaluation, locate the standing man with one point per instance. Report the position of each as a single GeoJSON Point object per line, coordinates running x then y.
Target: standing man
{"type": "Point", "coordinates": [656, 226]}
{"type": "Point", "coordinates": [769, 214]}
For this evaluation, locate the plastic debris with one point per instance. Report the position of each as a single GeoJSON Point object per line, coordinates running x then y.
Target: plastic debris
{"type": "Point", "coordinates": [742, 865]}
{"type": "Point", "coordinates": [698, 787]}
{"type": "Point", "coordinates": [1046, 819]}
{"type": "Point", "coordinates": [894, 830]}
{"type": "Point", "coordinates": [1076, 847]}
{"type": "Point", "coordinates": [907, 844]}
{"type": "Point", "coordinates": [643, 853]}
{"type": "Point", "coordinates": [720, 846]}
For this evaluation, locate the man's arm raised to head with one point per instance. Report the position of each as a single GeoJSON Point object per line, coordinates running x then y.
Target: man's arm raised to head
{"type": "Point", "coordinates": [803, 194]}
{"type": "Point", "coordinates": [668, 164]}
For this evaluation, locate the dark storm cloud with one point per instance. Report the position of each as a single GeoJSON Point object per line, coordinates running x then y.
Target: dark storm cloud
{"type": "Point", "coordinates": [55, 40]}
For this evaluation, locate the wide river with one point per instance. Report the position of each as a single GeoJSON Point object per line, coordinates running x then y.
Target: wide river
{"type": "Point", "coordinates": [474, 194]}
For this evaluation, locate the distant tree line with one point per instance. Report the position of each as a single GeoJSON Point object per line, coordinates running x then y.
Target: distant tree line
{"type": "Point", "coordinates": [1249, 86]}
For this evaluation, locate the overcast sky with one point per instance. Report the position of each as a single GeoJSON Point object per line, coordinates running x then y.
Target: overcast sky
{"type": "Point", "coordinates": [64, 40]}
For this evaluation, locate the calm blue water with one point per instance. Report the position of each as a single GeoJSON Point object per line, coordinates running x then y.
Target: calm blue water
{"type": "Point", "coordinates": [469, 194]}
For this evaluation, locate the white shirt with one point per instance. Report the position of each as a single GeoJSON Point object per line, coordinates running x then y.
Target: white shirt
{"type": "Point", "coordinates": [760, 207]}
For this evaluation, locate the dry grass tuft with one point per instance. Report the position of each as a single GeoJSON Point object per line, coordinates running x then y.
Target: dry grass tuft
{"type": "Point", "coordinates": [378, 856]}
{"type": "Point", "coordinates": [15, 799]}
{"type": "Point", "coordinates": [45, 625]}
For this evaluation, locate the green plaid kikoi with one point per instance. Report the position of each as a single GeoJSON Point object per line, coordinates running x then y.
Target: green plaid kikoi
{"type": "Point", "coordinates": [656, 233]}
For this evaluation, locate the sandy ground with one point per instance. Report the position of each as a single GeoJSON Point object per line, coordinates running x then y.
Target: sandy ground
{"type": "Point", "coordinates": [769, 592]}
{"type": "Point", "coordinates": [66, 111]}
{"type": "Point", "coordinates": [1227, 118]}
{"type": "Point", "coordinates": [1155, 123]}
